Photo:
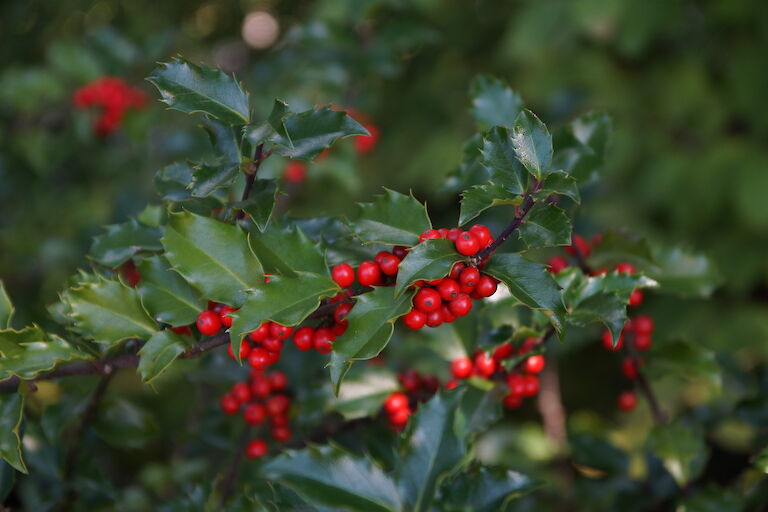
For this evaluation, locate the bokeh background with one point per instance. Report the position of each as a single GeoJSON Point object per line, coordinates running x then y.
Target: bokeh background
{"type": "Point", "coordinates": [685, 82]}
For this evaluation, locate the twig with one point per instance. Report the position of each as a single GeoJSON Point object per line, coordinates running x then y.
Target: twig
{"type": "Point", "coordinates": [228, 484]}
{"type": "Point", "coordinates": [250, 176]}
{"type": "Point", "coordinates": [550, 405]}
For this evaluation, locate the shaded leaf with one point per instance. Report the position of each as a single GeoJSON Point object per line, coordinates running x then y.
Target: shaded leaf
{"type": "Point", "coordinates": [224, 141]}
{"type": "Point", "coordinates": [500, 158]}
{"type": "Point", "coordinates": [485, 490]}
{"type": "Point", "coordinates": [123, 241]}
{"type": "Point", "coordinates": [305, 135]}
{"type": "Point", "coordinates": [207, 178]}
{"type": "Point", "coordinates": [479, 198]}
{"type": "Point", "coordinates": [682, 449]}
{"type": "Point", "coordinates": [174, 181]}
{"type": "Point", "coordinates": [392, 219]}
{"type": "Point", "coordinates": [6, 308]}
{"type": "Point", "coordinates": [11, 416]}
{"type": "Point", "coordinates": [28, 352]}
{"type": "Point", "coordinates": [429, 260]}
{"type": "Point", "coordinates": [559, 182]}
{"type": "Point", "coordinates": [166, 295]}
{"type": "Point", "coordinates": [494, 103]}
{"type": "Point", "coordinates": [546, 225]}
{"type": "Point", "coordinates": [532, 144]}
{"type": "Point", "coordinates": [687, 360]}
{"type": "Point", "coordinates": [364, 394]}
{"type": "Point", "coordinates": [159, 352]}
{"type": "Point", "coordinates": [288, 250]}
{"type": "Point", "coordinates": [479, 409]}
{"type": "Point", "coordinates": [684, 273]}
{"type": "Point", "coordinates": [260, 202]}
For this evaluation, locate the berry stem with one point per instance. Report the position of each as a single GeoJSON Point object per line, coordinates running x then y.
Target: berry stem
{"type": "Point", "coordinates": [250, 175]}
{"type": "Point", "coordinates": [659, 416]}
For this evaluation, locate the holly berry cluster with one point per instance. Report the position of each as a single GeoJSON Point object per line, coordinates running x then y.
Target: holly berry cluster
{"type": "Point", "coordinates": [399, 405]}
{"type": "Point", "coordinates": [114, 97]}
{"type": "Point", "coordinates": [261, 397]}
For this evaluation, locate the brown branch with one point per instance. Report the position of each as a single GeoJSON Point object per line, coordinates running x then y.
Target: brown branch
{"type": "Point", "coordinates": [549, 402]}
{"type": "Point", "coordinates": [250, 175]}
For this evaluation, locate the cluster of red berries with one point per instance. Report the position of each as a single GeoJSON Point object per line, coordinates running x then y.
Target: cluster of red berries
{"type": "Point", "coordinates": [261, 397]}
{"type": "Point", "coordinates": [114, 97]}
{"type": "Point", "coordinates": [416, 389]}
{"type": "Point", "coordinates": [522, 380]}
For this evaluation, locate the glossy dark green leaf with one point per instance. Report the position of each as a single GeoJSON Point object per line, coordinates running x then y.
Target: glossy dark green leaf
{"type": "Point", "coordinates": [6, 308]}
{"type": "Point", "coordinates": [596, 453]}
{"type": "Point", "coordinates": [682, 449]}
{"type": "Point", "coordinates": [287, 251]}
{"type": "Point", "coordinates": [306, 134]}
{"type": "Point", "coordinates": [684, 273]}
{"type": "Point", "coordinates": [331, 477]}
{"type": "Point", "coordinates": [593, 129]}
{"type": "Point", "coordinates": [363, 394]}
{"type": "Point", "coordinates": [620, 247]}
{"type": "Point", "coordinates": [392, 219]}
{"type": "Point", "coordinates": [431, 451]}
{"type": "Point", "coordinates": [531, 284]}
{"type": "Point", "coordinates": [479, 198]}
{"type": "Point", "coordinates": [688, 360]}
{"type": "Point", "coordinates": [11, 416]}
{"type": "Point", "coordinates": [190, 88]}
{"type": "Point", "coordinates": [714, 498]}
{"type": "Point", "coordinates": [260, 202]}
{"type": "Point", "coordinates": [546, 225]}
{"type": "Point", "coordinates": [166, 295]}
{"type": "Point", "coordinates": [28, 352]}
{"type": "Point", "coordinates": [479, 409]}
{"type": "Point", "coordinates": [206, 178]}
{"type": "Point", "coordinates": [500, 158]}
{"type": "Point", "coordinates": [484, 490]}
{"type": "Point", "coordinates": [152, 215]}
{"type": "Point", "coordinates": [580, 146]}
{"type": "Point", "coordinates": [7, 480]}
{"type": "Point", "coordinates": [212, 256]}
{"type": "Point", "coordinates": [159, 352]}
{"type": "Point", "coordinates": [532, 144]}
{"type": "Point", "coordinates": [224, 141]}
{"type": "Point", "coordinates": [276, 119]}
{"type": "Point", "coordinates": [494, 103]}
{"type": "Point", "coordinates": [121, 242]}
{"type": "Point", "coordinates": [560, 183]}
{"type": "Point", "coordinates": [428, 260]}
{"type": "Point", "coordinates": [108, 312]}
{"type": "Point", "coordinates": [174, 181]}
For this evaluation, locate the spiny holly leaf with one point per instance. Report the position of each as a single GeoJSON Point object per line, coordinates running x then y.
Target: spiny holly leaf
{"type": "Point", "coordinates": [682, 449]}
{"type": "Point", "coordinates": [159, 352]}
{"type": "Point", "coordinates": [108, 312]}
{"type": "Point", "coordinates": [684, 273]}
{"type": "Point", "coordinates": [580, 146]}
{"type": "Point", "coordinates": [212, 256]}
{"type": "Point", "coordinates": [559, 182]}
{"type": "Point", "coordinates": [328, 476]}
{"type": "Point", "coordinates": [166, 295]}
{"type": "Point", "coordinates": [484, 490]}
{"type": "Point", "coordinates": [500, 158]}
{"type": "Point", "coordinates": [431, 451]}
{"type": "Point", "coordinates": [29, 352]}
{"type": "Point", "coordinates": [362, 394]}
{"type": "Point", "coordinates": [123, 241]}
{"type": "Point", "coordinates": [532, 144]}
{"type": "Point", "coordinates": [429, 260]}
{"type": "Point", "coordinates": [392, 219]}
{"type": "Point", "coordinates": [190, 88]}
{"type": "Point", "coordinates": [606, 308]}
{"type": "Point", "coordinates": [260, 202]}
{"type": "Point", "coordinates": [11, 415]}
{"type": "Point", "coordinates": [287, 251]}
{"type": "Point", "coordinates": [494, 103]}
{"type": "Point", "coordinates": [224, 141]}
{"type": "Point", "coordinates": [174, 181]}
{"type": "Point", "coordinates": [546, 225]}
{"type": "Point", "coordinates": [276, 119]}
{"type": "Point", "coordinates": [479, 198]}
{"type": "Point", "coordinates": [306, 134]}
{"type": "Point", "coordinates": [6, 308]}
{"type": "Point", "coordinates": [206, 178]}
{"type": "Point", "coordinates": [531, 284]}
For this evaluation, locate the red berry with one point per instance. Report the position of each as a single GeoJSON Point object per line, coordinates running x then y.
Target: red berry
{"type": "Point", "coordinates": [261, 333]}
{"type": "Point", "coordinates": [414, 319]}
{"type": "Point", "coordinates": [277, 405]}
{"type": "Point", "coordinates": [461, 305]}
{"type": "Point", "coordinates": [245, 348]}
{"type": "Point", "coordinates": [435, 318]}
{"type": "Point", "coordinates": [627, 401]}
{"type": "Point", "coordinates": [241, 392]}
{"type": "Point", "coordinates": [368, 273]}
{"type": "Point", "coordinates": [625, 268]}
{"type": "Point", "coordinates": [448, 289]}
{"type": "Point", "coordinates": [427, 300]}
{"type": "Point", "coordinates": [443, 232]}
{"type": "Point", "coordinates": [256, 449]}
{"type": "Point", "coordinates": [643, 324]}
{"type": "Point", "coordinates": [429, 234]}
{"type": "Point", "coordinates": [516, 383]}
{"type": "Point", "coordinates": [528, 345]}
{"type": "Point", "coordinates": [229, 404]}
{"type": "Point", "coordinates": [599, 272]}
{"type": "Point", "coordinates": [461, 368]}
{"type": "Point", "coordinates": [259, 358]}
{"type": "Point", "coordinates": [224, 312]}
{"type": "Point", "coordinates": [512, 401]}
{"type": "Point", "coordinates": [261, 387]}
{"type": "Point", "coordinates": [453, 234]}
{"type": "Point", "coordinates": [636, 298]}
{"type": "Point", "coordinates": [451, 384]}
{"type": "Point", "coordinates": [608, 342]}
{"type": "Point", "coordinates": [339, 328]}
{"type": "Point", "coordinates": [456, 270]}
{"type": "Point", "coordinates": [557, 264]}
{"type": "Point", "coordinates": [643, 341]}
{"type": "Point", "coordinates": [395, 402]}
{"type": "Point", "coordinates": [485, 365]}
{"type": "Point", "coordinates": [295, 172]}
{"type": "Point", "coordinates": [486, 286]}
{"type": "Point", "coordinates": [430, 383]}
{"type": "Point", "coordinates": [411, 380]}
{"type": "Point", "coordinates": [254, 414]}
{"type": "Point", "coordinates": [273, 357]}
{"type": "Point", "coordinates": [278, 381]}
{"type": "Point", "coordinates": [400, 251]}
{"type": "Point", "coordinates": [281, 434]}
{"type": "Point", "coordinates": [579, 246]}
{"type": "Point", "coordinates": [303, 338]}
{"type": "Point", "coordinates": [322, 340]}
{"type": "Point", "coordinates": [469, 277]}
{"type": "Point", "coordinates": [530, 385]}
{"type": "Point", "coordinates": [503, 351]}
{"type": "Point", "coordinates": [467, 244]}
{"type": "Point", "coordinates": [400, 417]}
{"type": "Point", "coordinates": [184, 330]}
{"type": "Point", "coordinates": [365, 143]}
{"type": "Point", "coordinates": [341, 311]}
{"type": "Point", "coordinates": [281, 420]}
{"type": "Point", "coordinates": [597, 239]}
{"type": "Point", "coordinates": [343, 274]}
{"type": "Point", "coordinates": [629, 367]}
{"type": "Point", "coordinates": [208, 323]}
{"type": "Point", "coordinates": [280, 332]}
{"type": "Point", "coordinates": [272, 344]}
{"type": "Point", "coordinates": [534, 364]}
{"type": "Point", "coordinates": [483, 235]}
{"type": "Point", "coordinates": [388, 263]}
{"type": "Point", "coordinates": [448, 317]}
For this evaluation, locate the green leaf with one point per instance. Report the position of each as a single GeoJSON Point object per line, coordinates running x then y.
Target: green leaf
{"type": "Point", "coordinates": [479, 198]}
{"type": "Point", "coordinates": [431, 451]}
{"type": "Point", "coordinates": [485, 490]}
{"type": "Point", "coordinates": [260, 202]}
{"type": "Point", "coordinates": [123, 241]}
{"type": "Point", "coordinates": [328, 476]}
{"type": "Point", "coordinates": [580, 146]}
{"type": "Point", "coordinates": [29, 352]}
{"type": "Point", "coordinates": [546, 225]}
{"type": "Point", "coordinates": [285, 300]}
{"type": "Point", "coordinates": [174, 181]}
{"type": "Point", "coordinates": [619, 247]}
{"type": "Point", "coordinates": [532, 144]}
{"type": "Point", "coordinates": [690, 361]}
{"type": "Point", "coordinates": [208, 178]}
{"type": "Point", "coordinates": [682, 449]}
{"type": "Point", "coordinates": [500, 158]}
{"type": "Point", "coordinates": [190, 88]}
{"type": "Point", "coordinates": [108, 312]}
{"type": "Point", "coordinates": [224, 141]}
{"type": "Point", "coordinates": [684, 273]}
{"type": "Point", "coordinates": [287, 251]}
{"type": "Point", "coordinates": [152, 216]}
{"type": "Point", "coordinates": [531, 284]}
{"type": "Point", "coordinates": [429, 260]}
{"type": "Point", "coordinates": [11, 416]}
{"type": "Point", "coordinates": [159, 352]}
{"type": "Point", "coordinates": [166, 295]}
{"type": "Point", "coordinates": [7, 480]}
{"type": "Point", "coordinates": [559, 182]}
{"type": "Point", "coordinates": [597, 453]}
{"type": "Point", "coordinates": [479, 409]}
{"type": "Point", "coordinates": [760, 460]}
{"type": "Point", "coordinates": [391, 219]}
{"type": "Point", "coordinates": [363, 395]}
{"type": "Point", "coordinates": [494, 103]}
{"type": "Point", "coordinates": [6, 308]}
{"type": "Point", "coordinates": [212, 256]}
{"type": "Point", "coordinates": [306, 134]}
